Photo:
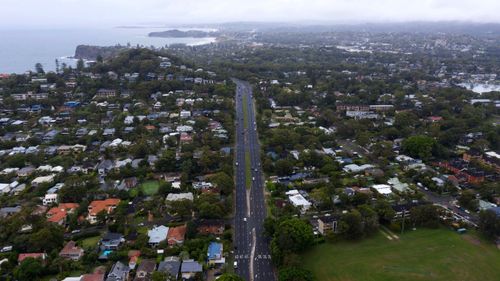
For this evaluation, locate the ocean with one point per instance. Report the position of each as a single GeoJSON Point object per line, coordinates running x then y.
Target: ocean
{"type": "Point", "coordinates": [21, 49]}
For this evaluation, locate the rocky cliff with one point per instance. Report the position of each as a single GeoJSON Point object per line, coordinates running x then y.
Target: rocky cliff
{"type": "Point", "coordinates": [88, 52]}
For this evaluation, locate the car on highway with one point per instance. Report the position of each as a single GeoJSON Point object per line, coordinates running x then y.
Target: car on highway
{"type": "Point", "coordinates": [244, 219]}
{"type": "Point", "coordinates": [235, 264]}
{"type": "Point", "coordinates": [253, 178]}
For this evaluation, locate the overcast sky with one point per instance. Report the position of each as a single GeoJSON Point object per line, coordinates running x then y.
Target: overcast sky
{"type": "Point", "coordinates": [48, 13]}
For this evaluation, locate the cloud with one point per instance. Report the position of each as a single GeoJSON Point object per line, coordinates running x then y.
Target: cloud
{"type": "Point", "coordinates": [118, 12]}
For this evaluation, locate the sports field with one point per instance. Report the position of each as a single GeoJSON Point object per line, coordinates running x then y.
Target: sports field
{"type": "Point", "coordinates": [425, 254]}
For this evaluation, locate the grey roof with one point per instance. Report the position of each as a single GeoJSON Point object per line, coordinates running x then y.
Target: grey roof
{"type": "Point", "coordinates": [191, 266]}
{"type": "Point", "coordinates": [119, 272]}
{"type": "Point", "coordinates": [9, 210]}
{"type": "Point", "coordinates": [496, 210]}
{"type": "Point", "coordinates": [171, 267]}
{"type": "Point", "coordinates": [106, 164]}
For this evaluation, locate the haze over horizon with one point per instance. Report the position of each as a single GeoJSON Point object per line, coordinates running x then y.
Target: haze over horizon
{"type": "Point", "coordinates": [95, 13]}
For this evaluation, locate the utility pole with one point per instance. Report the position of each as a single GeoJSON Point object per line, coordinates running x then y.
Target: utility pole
{"type": "Point", "coordinates": [403, 224]}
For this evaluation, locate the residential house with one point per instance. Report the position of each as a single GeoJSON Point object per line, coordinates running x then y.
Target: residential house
{"type": "Point", "coordinates": [98, 206]}
{"type": "Point", "coordinates": [41, 180]}
{"type": "Point", "coordinates": [328, 223]}
{"type": "Point", "coordinates": [157, 235]}
{"type": "Point", "coordinates": [213, 227]}
{"type": "Point", "coordinates": [215, 254]}
{"type": "Point", "coordinates": [105, 93]}
{"type": "Point", "coordinates": [104, 167]}
{"type": "Point", "coordinates": [111, 241]}
{"type": "Point", "coordinates": [398, 185]}
{"type": "Point", "coordinates": [133, 256]}
{"type": "Point", "coordinates": [382, 189]}
{"type": "Point", "coordinates": [190, 269]}
{"type": "Point", "coordinates": [50, 199]}
{"type": "Point", "coordinates": [59, 214]}
{"type": "Point", "coordinates": [93, 277]}
{"type": "Point", "coordinates": [118, 272]}
{"type": "Point", "coordinates": [176, 235]}
{"type": "Point", "coordinates": [8, 211]}
{"type": "Point", "coordinates": [298, 200]}
{"type": "Point", "coordinates": [179, 196]}
{"type": "Point", "coordinates": [22, 257]}
{"type": "Point", "coordinates": [128, 183]}
{"type": "Point", "coordinates": [145, 269]}
{"type": "Point", "coordinates": [71, 251]}
{"type": "Point", "coordinates": [171, 266]}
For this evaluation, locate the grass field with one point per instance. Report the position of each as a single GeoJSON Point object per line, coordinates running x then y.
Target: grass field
{"type": "Point", "coordinates": [418, 255]}
{"type": "Point", "coordinates": [150, 187]}
{"type": "Point", "coordinates": [90, 242]}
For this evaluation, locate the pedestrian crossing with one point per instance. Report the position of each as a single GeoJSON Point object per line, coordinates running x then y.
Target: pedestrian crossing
{"type": "Point", "coordinates": [257, 257]}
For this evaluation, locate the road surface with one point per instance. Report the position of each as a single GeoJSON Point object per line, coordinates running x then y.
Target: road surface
{"type": "Point", "coordinates": [251, 246]}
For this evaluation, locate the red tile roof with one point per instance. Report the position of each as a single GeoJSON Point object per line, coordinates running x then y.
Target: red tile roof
{"type": "Point", "coordinates": [93, 277]}
{"type": "Point", "coordinates": [59, 213]}
{"type": "Point", "coordinates": [24, 256]}
{"type": "Point", "coordinates": [103, 205]}
{"type": "Point", "coordinates": [176, 234]}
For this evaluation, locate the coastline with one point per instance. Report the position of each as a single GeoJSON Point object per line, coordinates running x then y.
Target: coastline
{"type": "Point", "coordinates": [20, 50]}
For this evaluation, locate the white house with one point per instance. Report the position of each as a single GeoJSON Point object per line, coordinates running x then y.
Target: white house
{"type": "Point", "coordinates": [185, 114]}
{"type": "Point", "coordinates": [50, 199]}
{"type": "Point", "coordinates": [354, 168]}
{"type": "Point", "coordinates": [382, 189]}
{"type": "Point", "coordinates": [157, 234]}
{"type": "Point", "coordinates": [179, 196]}
{"type": "Point", "coordinates": [45, 179]}
{"type": "Point", "coordinates": [298, 200]}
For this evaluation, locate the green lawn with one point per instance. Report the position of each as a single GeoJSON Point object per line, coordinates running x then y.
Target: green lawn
{"type": "Point", "coordinates": [419, 255]}
{"type": "Point", "coordinates": [90, 242]}
{"type": "Point", "coordinates": [149, 188]}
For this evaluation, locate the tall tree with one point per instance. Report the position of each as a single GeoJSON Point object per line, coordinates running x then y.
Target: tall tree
{"type": "Point", "coordinates": [39, 68]}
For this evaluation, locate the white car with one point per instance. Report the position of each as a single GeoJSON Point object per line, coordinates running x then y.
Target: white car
{"type": "Point", "coordinates": [244, 219]}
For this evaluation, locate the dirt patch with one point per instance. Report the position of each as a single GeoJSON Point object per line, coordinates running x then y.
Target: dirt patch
{"type": "Point", "coordinates": [472, 240]}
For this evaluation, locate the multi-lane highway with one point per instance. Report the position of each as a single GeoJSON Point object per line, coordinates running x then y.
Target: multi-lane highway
{"type": "Point", "coordinates": [251, 247]}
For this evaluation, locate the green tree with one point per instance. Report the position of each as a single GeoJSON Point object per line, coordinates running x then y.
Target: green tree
{"type": "Point", "coordinates": [384, 210]}
{"type": "Point", "coordinates": [159, 276]}
{"type": "Point", "coordinates": [419, 146]}
{"type": "Point", "coordinates": [425, 215]}
{"type": "Point", "coordinates": [29, 269]}
{"type": "Point", "coordinates": [294, 234]}
{"type": "Point", "coordinates": [489, 224]}
{"type": "Point", "coordinates": [181, 208]}
{"type": "Point", "coordinates": [39, 68]}
{"type": "Point", "coordinates": [47, 239]}
{"type": "Point", "coordinates": [467, 199]}
{"type": "Point", "coordinates": [283, 167]}
{"type": "Point", "coordinates": [351, 225]}
{"type": "Point", "coordinates": [80, 65]}
{"type": "Point", "coordinates": [224, 182]}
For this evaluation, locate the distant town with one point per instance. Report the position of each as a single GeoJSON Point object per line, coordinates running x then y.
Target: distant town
{"type": "Point", "coordinates": [275, 153]}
